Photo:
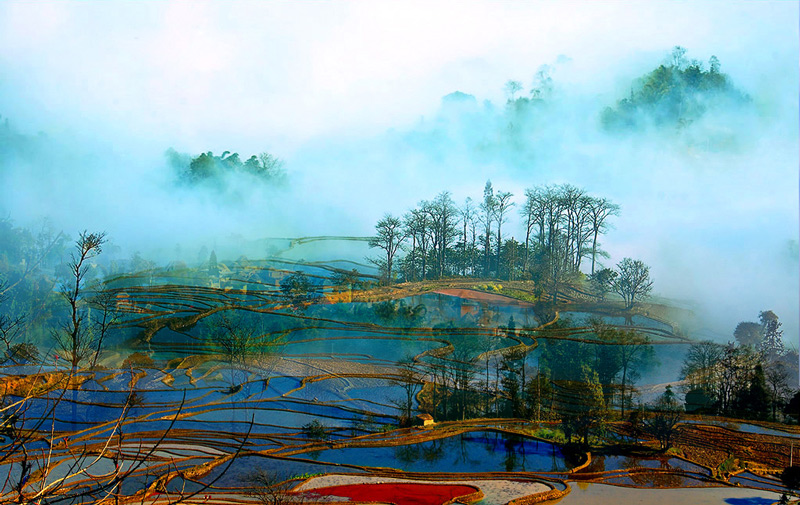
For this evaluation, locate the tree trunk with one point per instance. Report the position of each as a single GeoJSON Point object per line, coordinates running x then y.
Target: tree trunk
{"type": "Point", "coordinates": [464, 252]}
{"type": "Point", "coordinates": [624, 381]}
{"type": "Point", "coordinates": [499, 242]}
{"type": "Point", "coordinates": [486, 254]}
{"type": "Point", "coordinates": [424, 262]}
{"type": "Point", "coordinates": [527, 243]}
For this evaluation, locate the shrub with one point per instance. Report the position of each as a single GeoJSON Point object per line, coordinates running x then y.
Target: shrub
{"type": "Point", "coordinates": [791, 477]}
{"type": "Point", "coordinates": [137, 360]}
{"type": "Point", "coordinates": [24, 352]}
{"type": "Point", "coordinates": [315, 430]}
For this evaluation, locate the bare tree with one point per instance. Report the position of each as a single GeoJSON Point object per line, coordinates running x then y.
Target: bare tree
{"type": "Point", "coordinates": [512, 88]}
{"type": "Point", "coordinates": [269, 489]}
{"type": "Point", "coordinates": [778, 380]}
{"type": "Point", "coordinates": [272, 166]}
{"type": "Point", "coordinates": [389, 236]}
{"type": "Point", "coordinates": [488, 208]}
{"type": "Point", "coordinates": [735, 373]}
{"type": "Point", "coordinates": [417, 227]}
{"type": "Point", "coordinates": [236, 338]}
{"type": "Point", "coordinates": [410, 380]}
{"type": "Point", "coordinates": [700, 368]}
{"type": "Point", "coordinates": [599, 212]}
{"type": "Point", "coordinates": [633, 281]}
{"type": "Point", "coordinates": [468, 217]}
{"type": "Point", "coordinates": [566, 220]}
{"type": "Point", "coordinates": [569, 197]}
{"type": "Point", "coordinates": [75, 336]}
{"type": "Point", "coordinates": [502, 204]}
{"type": "Point", "coordinates": [10, 328]}
{"type": "Point", "coordinates": [533, 214]}
{"type": "Point", "coordinates": [442, 212]}
{"type": "Point", "coordinates": [46, 468]}
{"type": "Point", "coordinates": [105, 304]}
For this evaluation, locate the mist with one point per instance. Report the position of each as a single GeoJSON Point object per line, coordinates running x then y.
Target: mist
{"type": "Point", "coordinates": [357, 100]}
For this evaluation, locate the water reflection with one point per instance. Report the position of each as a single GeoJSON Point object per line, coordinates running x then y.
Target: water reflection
{"type": "Point", "coordinates": [482, 451]}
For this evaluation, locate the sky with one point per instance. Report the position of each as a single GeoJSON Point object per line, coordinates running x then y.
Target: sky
{"type": "Point", "coordinates": [349, 94]}
{"type": "Point", "coordinates": [235, 73]}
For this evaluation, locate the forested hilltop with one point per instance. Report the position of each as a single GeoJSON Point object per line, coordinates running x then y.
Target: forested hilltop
{"type": "Point", "coordinates": [674, 95]}
{"type": "Point", "coordinates": [562, 228]}
{"type": "Point", "coordinates": [559, 258]}
{"type": "Point", "coordinates": [679, 103]}
{"type": "Point", "coordinates": [208, 169]}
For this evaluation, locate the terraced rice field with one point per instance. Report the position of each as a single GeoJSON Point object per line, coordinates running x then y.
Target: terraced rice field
{"type": "Point", "coordinates": [179, 412]}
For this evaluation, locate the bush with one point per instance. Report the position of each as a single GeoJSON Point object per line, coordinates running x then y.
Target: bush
{"type": "Point", "coordinates": [24, 352]}
{"type": "Point", "coordinates": [138, 360]}
{"type": "Point", "coordinates": [298, 288]}
{"type": "Point", "coordinates": [134, 399]}
{"type": "Point", "coordinates": [792, 409]}
{"type": "Point", "coordinates": [549, 434]}
{"type": "Point", "coordinates": [791, 477]}
{"type": "Point", "coordinates": [315, 430]}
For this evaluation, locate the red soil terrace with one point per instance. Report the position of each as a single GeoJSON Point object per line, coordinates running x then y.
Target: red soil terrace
{"type": "Point", "coordinates": [401, 493]}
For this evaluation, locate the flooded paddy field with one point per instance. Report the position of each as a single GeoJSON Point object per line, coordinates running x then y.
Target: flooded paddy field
{"type": "Point", "coordinates": [206, 389]}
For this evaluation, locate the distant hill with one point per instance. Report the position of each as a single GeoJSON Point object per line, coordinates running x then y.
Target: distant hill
{"type": "Point", "coordinates": [213, 170]}
{"type": "Point", "coordinates": [674, 95]}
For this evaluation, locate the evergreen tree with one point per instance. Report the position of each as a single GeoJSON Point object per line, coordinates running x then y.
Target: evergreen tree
{"type": "Point", "coordinates": [582, 407]}
{"type": "Point", "coordinates": [792, 408]}
{"type": "Point", "coordinates": [772, 343]}
{"type": "Point", "coordinates": [758, 393]}
{"type": "Point", "coordinates": [213, 268]}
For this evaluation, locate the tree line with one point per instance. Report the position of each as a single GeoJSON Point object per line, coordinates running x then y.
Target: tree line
{"type": "Point", "coordinates": [585, 383]}
{"type": "Point", "coordinates": [439, 238]}
{"type": "Point", "coordinates": [581, 383]}
{"type": "Point", "coordinates": [562, 228]}
{"type": "Point", "coordinates": [206, 167]}
{"type": "Point", "coordinates": [747, 378]}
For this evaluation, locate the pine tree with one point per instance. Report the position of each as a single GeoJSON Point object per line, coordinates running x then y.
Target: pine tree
{"type": "Point", "coordinates": [582, 406]}
{"type": "Point", "coordinates": [772, 344]}
{"type": "Point", "coordinates": [213, 268]}
{"type": "Point", "coordinates": [756, 397]}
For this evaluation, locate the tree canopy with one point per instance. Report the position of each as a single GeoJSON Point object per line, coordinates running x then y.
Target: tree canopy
{"type": "Point", "coordinates": [208, 168]}
{"type": "Point", "coordinates": [674, 94]}
{"type": "Point", "coordinates": [633, 281]}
